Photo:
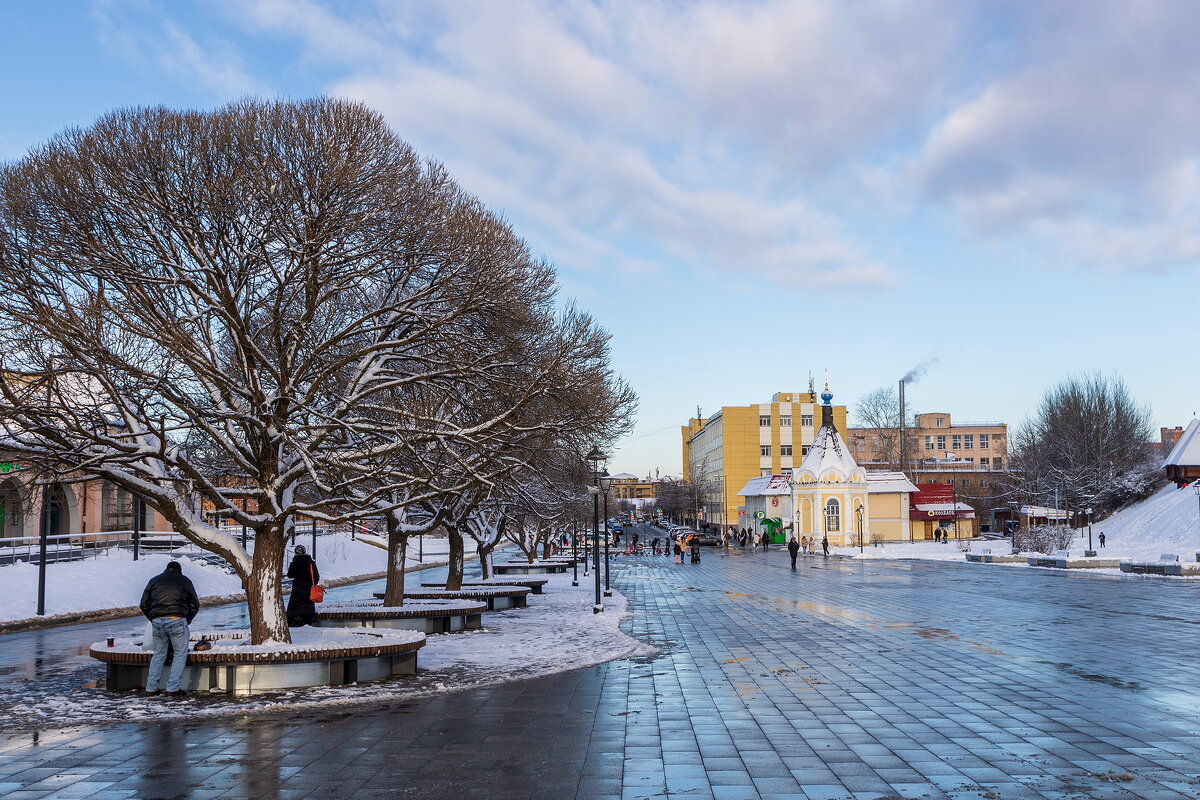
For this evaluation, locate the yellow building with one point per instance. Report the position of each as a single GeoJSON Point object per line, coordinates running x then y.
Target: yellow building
{"type": "Point", "coordinates": [738, 443]}
{"type": "Point", "coordinates": [830, 495]}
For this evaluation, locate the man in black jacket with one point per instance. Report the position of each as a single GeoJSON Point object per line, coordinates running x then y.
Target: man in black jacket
{"type": "Point", "coordinates": [170, 603]}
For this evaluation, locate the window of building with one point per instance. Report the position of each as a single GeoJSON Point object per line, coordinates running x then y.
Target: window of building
{"type": "Point", "coordinates": [804, 450]}
{"type": "Point", "coordinates": [955, 442]}
{"type": "Point", "coordinates": [966, 483]}
{"type": "Point", "coordinates": [786, 472]}
{"type": "Point", "coordinates": [785, 449]}
{"type": "Point", "coordinates": [983, 441]}
{"type": "Point", "coordinates": [983, 462]}
{"type": "Point", "coordinates": [928, 442]}
{"type": "Point", "coordinates": [968, 441]}
{"type": "Point", "coordinates": [997, 463]}
{"type": "Point", "coordinates": [765, 472]}
{"type": "Point", "coordinates": [941, 442]}
{"type": "Point", "coordinates": [833, 515]}
{"type": "Point", "coordinates": [764, 450]}
{"type": "Point", "coordinates": [983, 484]}
{"type": "Point", "coordinates": [764, 420]}
{"type": "Point", "coordinates": [938, 422]}
{"type": "Point", "coordinates": [785, 422]}
{"type": "Point", "coordinates": [806, 419]}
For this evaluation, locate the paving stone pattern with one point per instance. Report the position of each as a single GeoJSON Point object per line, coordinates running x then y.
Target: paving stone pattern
{"type": "Point", "coordinates": [857, 680]}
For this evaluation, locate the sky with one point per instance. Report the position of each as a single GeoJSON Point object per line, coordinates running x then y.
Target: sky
{"type": "Point", "coordinates": [747, 193]}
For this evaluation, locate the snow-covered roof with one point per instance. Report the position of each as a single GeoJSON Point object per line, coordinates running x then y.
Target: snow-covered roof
{"type": "Point", "coordinates": [767, 485]}
{"type": "Point", "coordinates": [889, 482]}
{"type": "Point", "coordinates": [623, 476]}
{"type": "Point", "coordinates": [1186, 452]}
{"type": "Point", "coordinates": [827, 456]}
{"type": "Point", "coordinates": [961, 508]}
{"type": "Point", "coordinates": [1043, 511]}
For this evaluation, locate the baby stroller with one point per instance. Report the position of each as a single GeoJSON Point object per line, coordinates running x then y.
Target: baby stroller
{"type": "Point", "coordinates": [695, 554]}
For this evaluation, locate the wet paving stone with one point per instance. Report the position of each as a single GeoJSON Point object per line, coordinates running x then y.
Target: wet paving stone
{"type": "Point", "coordinates": [841, 681]}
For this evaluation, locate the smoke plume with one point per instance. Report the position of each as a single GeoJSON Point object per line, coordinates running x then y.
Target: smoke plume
{"type": "Point", "coordinates": [916, 373]}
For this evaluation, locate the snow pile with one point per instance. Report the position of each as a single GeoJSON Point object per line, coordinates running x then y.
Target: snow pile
{"type": "Point", "coordinates": [557, 632]}
{"type": "Point", "coordinates": [924, 550]}
{"type": "Point", "coordinates": [1166, 522]}
{"type": "Point", "coordinates": [304, 640]}
{"type": "Point", "coordinates": [115, 580]}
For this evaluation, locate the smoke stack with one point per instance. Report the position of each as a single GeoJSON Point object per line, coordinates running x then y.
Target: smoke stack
{"type": "Point", "coordinates": [902, 382]}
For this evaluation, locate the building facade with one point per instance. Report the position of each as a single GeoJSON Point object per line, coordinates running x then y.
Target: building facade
{"type": "Point", "coordinates": [737, 443]}
{"type": "Point", "coordinates": [829, 495]}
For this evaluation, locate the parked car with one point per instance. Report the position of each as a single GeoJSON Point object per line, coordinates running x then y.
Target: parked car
{"type": "Point", "coordinates": [709, 538]}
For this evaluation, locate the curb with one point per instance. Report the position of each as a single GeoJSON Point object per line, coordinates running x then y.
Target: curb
{"type": "Point", "coordinates": [105, 614]}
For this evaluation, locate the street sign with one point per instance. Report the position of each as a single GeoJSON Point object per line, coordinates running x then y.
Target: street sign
{"type": "Point", "coordinates": [760, 514]}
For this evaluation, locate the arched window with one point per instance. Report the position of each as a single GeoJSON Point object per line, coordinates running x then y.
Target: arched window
{"type": "Point", "coordinates": [833, 515]}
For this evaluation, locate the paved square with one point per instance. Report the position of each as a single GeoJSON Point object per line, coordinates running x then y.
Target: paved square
{"type": "Point", "coordinates": [841, 680]}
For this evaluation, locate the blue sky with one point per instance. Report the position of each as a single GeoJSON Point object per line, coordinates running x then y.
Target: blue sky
{"type": "Point", "coordinates": [744, 193]}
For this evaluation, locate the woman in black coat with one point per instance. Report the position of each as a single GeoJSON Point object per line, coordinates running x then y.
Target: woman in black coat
{"type": "Point", "coordinates": [304, 573]}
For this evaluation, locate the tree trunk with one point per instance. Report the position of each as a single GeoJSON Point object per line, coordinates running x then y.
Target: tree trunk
{"type": "Point", "coordinates": [393, 593]}
{"type": "Point", "coordinates": [485, 559]}
{"type": "Point", "coordinates": [264, 587]}
{"type": "Point", "coordinates": [454, 576]}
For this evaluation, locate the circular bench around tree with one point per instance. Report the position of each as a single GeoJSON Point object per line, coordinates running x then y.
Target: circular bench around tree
{"type": "Point", "coordinates": [536, 584]}
{"type": "Point", "coordinates": [428, 616]}
{"type": "Point", "coordinates": [315, 657]}
{"type": "Point", "coordinates": [536, 568]}
{"type": "Point", "coordinates": [497, 598]}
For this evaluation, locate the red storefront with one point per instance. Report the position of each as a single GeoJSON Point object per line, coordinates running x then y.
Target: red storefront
{"type": "Point", "coordinates": [935, 508]}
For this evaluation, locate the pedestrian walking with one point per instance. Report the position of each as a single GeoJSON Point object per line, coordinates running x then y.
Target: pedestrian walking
{"type": "Point", "coordinates": [825, 544]}
{"type": "Point", "coordinates": [763, 541]}
{"type": "Point", "coordinates": [1102, 538]}
{"type": "Point", "coordinates": [677, 551]}
{"type": "Point", "coordinates": [169, 601]}
{"type": "Point", "coordinates": [303, 571]}
{"type": "Point", "coordinates": [793, 550]}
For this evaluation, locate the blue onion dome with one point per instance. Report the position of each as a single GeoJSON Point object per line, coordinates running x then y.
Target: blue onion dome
{"type": "Point", "coordinates": [826, 396]}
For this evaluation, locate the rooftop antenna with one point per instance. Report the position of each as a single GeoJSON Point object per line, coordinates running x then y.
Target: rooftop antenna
{"type": "Point", "coordinates": [698, 413]}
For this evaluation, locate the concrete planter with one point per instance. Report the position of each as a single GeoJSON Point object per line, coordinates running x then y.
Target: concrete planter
{"type": "Point", "coordinates": [1067, 562]}
{"type": "Point", "coordinates": [536, 568]}
{"type": "Point", "coordinates": [535, 584]}
{"type": "Point", "coordinates": [315, 658]}
{"type": "Point", "coordinates": [427, 616]}
{"type": "Point", "coordinates": [996, 558]}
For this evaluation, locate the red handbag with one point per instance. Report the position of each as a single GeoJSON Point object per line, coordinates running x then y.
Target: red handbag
{"type": "Point", "coordinates": [317, 592]}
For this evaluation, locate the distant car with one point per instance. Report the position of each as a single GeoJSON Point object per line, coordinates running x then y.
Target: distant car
{"type": "Point", "coordinates": [709, 538]}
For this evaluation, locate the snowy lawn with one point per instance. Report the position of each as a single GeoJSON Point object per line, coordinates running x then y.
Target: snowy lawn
{"type": "Point", "coordinates": [929, 551]}
{"type": "Point", "coordinates": [115, 580]}
{"type": "Point", "coordinates": [557, 632]}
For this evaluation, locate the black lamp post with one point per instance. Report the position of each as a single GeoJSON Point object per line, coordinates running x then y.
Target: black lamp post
{"type": "Point", "coordinates": [574, 554]}
{"type": "Point", "coordinates": [595, 457]}
{"type": "Point", "coordinates": [603, 486]}
{"type": "Point", "coordinates": [859, 512]}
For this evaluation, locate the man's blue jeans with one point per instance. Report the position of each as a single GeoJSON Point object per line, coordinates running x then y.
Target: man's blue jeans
{"type": "Point", "coordinates": [174, 632]}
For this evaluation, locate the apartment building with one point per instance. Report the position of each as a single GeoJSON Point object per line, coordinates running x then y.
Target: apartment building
{"type": "Point", "coordinates": [737, 443]}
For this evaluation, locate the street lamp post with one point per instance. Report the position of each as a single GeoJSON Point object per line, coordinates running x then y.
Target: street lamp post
{"type": "Point", "coordinates": [1088, 511]}
{"type": "Point", "coordinates": [574, 553]}
{"type": "Point", "coordinates": [595, 457]}
{"type": "Point", "coordinates": [607, 534]}
{"type": "Point", "coordinates": [859, 512]}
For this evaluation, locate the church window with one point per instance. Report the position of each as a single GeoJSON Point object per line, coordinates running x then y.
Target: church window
{"type": "Point", "coordinates": [833, 515]}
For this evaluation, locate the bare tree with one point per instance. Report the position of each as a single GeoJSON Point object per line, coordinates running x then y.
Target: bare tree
{"type": "Point", "coordinates": [879, 411]}
{"type": "Point", "coordinates": [238, 292]}
{"type": "Point", "coordinates": [1088, 445]}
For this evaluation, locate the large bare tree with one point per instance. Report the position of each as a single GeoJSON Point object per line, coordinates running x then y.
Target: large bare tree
{"type": "Point", "coordinates": [193, 295]}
